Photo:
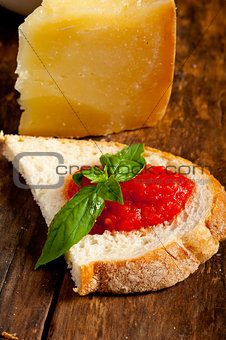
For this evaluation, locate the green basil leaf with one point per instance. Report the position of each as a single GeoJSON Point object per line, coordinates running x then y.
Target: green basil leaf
{"type": "Point", "coordinates": [127, 170]}
{"type": "Point", "coordinates": [71, 223]}
{"type": "Point", "coordinates": [95, 174]}
{"type": "Point", "coordinates": [126, 164]}
{"type": "Point", "coordinates": [77, 178]}
{"type": "Point", "coordinates": [110, 190]}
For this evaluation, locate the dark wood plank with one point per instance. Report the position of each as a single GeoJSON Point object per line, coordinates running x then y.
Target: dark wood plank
{"type": "Point", "coordinates": [9, 108]}
{"type": "Point", "coordinates": [25, 294]}
{"type": "Point", "coordinates": [193, 127]}
{"type": "Point", "coordinates": [192, 309]}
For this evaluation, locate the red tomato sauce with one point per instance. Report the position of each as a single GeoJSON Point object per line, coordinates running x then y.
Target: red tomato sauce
{"type": "Point", "coordinates": [154, 196]}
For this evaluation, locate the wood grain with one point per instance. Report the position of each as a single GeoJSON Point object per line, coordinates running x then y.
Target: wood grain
{"type": "Point", "coordinates": [187, 310]}
{"type": "Point", "coordinates": [25, 294]}
{"type": "Point", "coordinates": [41, 305]}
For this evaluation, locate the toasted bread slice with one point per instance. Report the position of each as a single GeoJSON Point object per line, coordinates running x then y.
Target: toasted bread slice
{"type": "Point", "coordinates": [125, 262]}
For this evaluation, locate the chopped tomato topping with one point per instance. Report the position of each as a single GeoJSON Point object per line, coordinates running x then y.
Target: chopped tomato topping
{"type": "Point", "coordinates": [154, 196]}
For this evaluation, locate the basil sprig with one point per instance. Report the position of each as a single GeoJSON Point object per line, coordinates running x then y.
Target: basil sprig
{"type": "Point", "coordinates": [77, 217]}
{"type": "Point", "coordinates": [96, 175]}
{"type": "Point", "coordinates": [126, 164]}
{"type": "Point", "coordinates": [71, 223]}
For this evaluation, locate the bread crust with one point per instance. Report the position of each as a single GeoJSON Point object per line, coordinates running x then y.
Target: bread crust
{"type": "Point", "coordinates": [217, 218]}
{"type": "Point", "coordinates": [164, 266]}
{"type": "Point", "coordinates": [156, 270]}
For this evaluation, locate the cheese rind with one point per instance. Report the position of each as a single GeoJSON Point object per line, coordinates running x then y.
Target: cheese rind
{"type": "Point", "coordinates": [95, 70]}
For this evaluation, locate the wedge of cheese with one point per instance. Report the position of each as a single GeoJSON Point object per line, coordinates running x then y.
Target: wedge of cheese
{"type": "Point", "coordinates": [95, 67]}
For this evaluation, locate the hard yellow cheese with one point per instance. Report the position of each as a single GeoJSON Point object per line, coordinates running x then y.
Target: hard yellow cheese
{"type": "Point", "coordinates": [95, 67]}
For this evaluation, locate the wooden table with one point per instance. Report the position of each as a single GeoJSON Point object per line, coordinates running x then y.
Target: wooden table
{"type": "Point", "coordinates": [40, 305]}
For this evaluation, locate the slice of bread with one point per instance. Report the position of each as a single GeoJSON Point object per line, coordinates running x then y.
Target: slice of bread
{"type": "Point", "coordinates": [135, 261]}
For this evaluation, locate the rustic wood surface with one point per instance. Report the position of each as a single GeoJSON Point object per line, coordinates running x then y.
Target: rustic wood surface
{"type": "Point", "coordinates": [40, 305]}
